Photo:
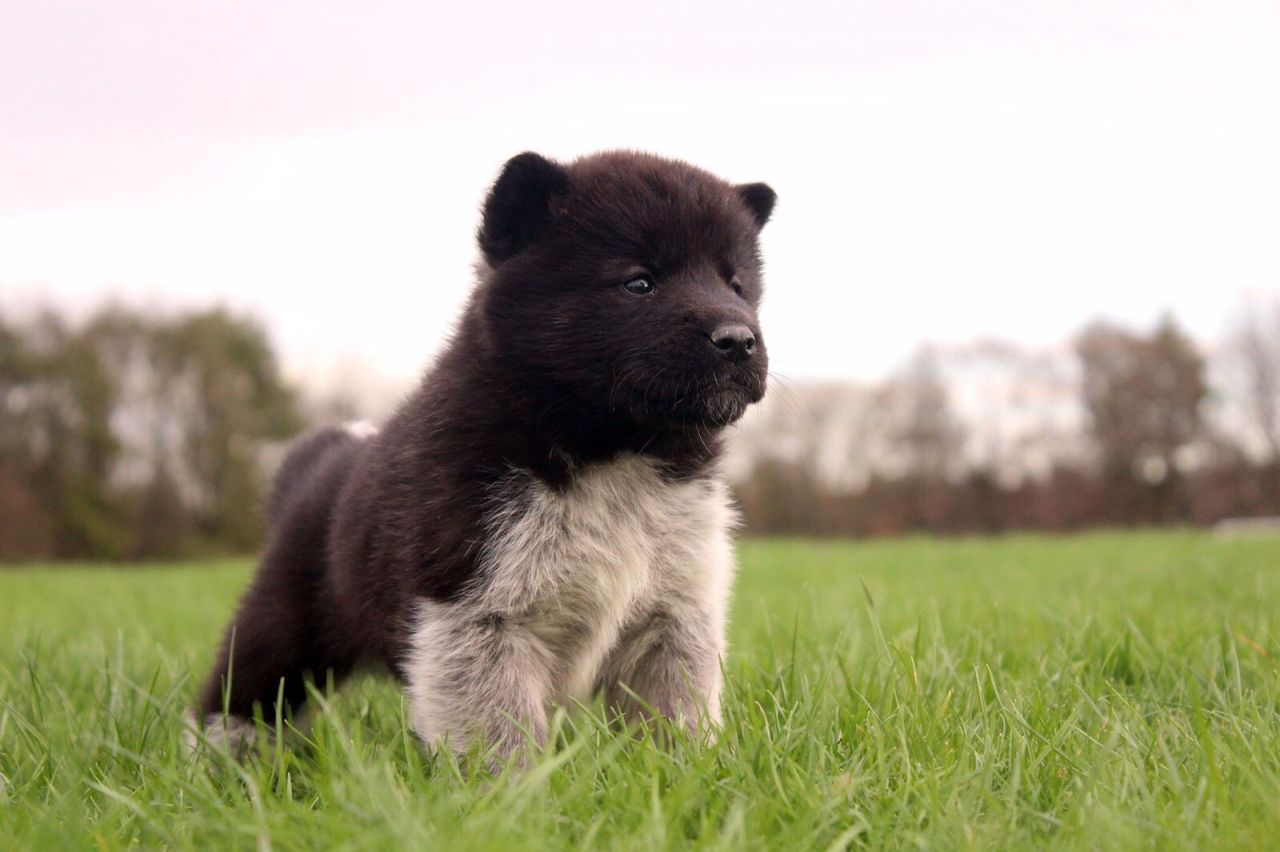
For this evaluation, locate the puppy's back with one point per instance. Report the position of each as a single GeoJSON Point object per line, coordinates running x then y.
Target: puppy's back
{"type": "Point", "coordinates": [317, 455]}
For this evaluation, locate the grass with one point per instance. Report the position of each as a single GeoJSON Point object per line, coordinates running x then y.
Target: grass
{"type": "Point", "coordinates": [1116, 690]}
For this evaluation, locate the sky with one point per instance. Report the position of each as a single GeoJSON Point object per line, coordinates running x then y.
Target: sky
{"type": "Point", "coordinates": [945, 171]}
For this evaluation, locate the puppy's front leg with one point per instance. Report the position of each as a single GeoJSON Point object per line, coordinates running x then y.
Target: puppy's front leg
{"type": "Point", "coordinates": [669, 660]}
{"type": "Point", "coordinates": [477, 675]}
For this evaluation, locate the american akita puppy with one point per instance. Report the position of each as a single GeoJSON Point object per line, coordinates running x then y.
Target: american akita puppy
{"type": "Point", "coordinates": [542, 520]}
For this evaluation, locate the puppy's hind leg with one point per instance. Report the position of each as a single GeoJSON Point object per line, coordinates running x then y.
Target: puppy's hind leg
{"type": "Point", "coordinates": [273, 647]}
{"type": "Point", "coordinates": [288, 628]}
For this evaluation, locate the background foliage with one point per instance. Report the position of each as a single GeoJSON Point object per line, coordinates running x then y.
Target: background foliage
{"type": "Point", "coordinates": [135, 434]}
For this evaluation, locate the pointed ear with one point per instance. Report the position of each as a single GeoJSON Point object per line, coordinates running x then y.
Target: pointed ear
{"type": "Point", "coordinates": [519, 205]}
{"type": "Point", "coordinates": [759, 198]}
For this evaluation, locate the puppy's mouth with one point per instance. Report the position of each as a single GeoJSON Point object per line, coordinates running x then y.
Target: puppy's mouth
{"type": "Point", "coordinates": [710, 401]}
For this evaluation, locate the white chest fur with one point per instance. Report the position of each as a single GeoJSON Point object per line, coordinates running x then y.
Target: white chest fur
{"type": "Point", "coordinates": [573, 566]}
{"type": "Point", "coordinates": [563, 576]}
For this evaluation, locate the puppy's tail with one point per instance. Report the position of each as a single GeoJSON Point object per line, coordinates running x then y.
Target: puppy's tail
{"type": "Point", "coordinates": [307, 455]}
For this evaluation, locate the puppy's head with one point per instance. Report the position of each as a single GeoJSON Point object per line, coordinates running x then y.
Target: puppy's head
{"type": "Point", "coordinates": [630, 283]}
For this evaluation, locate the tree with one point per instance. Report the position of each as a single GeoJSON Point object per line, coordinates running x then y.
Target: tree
{"type": "Point", "coordinates": [222, 375]}
{"type": "Point", "coordinates": [926, 431]}
{"type": "Point", "coordinates": [135, 434]}
{"type": "Point", "coordinates": [58, 446]}
{"type": "Point", "coordinates": [1253, 347]}
{"type": "Point", "coordinates": [1143, 395]}
{"type": "Point", "coordinates": [1254, 343]}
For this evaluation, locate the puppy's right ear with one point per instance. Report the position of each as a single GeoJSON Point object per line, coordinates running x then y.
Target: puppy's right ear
{"type": "Point", "coordinates": [759, 198]}
{"type": "Point", "coordinates": [519, 205]}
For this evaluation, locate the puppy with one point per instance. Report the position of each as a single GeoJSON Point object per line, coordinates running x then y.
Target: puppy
{"type": "Point", "coordinates": [542, 520]}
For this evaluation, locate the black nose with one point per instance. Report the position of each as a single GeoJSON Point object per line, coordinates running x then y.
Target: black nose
{"type": "Point", "coordinates": [735, 342]}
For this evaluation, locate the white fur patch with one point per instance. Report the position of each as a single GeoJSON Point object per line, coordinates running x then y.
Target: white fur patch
{"type": "Point", "coordinates": [229, 733]}
{"type": "Point", "coordinates": [566, 572]}
{"type": "Point", "coordinates": [361, 429]}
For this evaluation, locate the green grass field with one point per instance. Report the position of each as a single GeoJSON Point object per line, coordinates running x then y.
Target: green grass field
{"type": "Point", "coordinates": [1116, 691]}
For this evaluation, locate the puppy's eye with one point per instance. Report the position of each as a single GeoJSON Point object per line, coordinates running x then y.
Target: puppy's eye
{"type": "Point", "coordinates": [639, 286]}
{"type": "Point", "coordinates": [735, 285]}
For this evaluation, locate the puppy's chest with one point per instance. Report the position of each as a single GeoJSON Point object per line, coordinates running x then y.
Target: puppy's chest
{"type": "Point", "coordinates": [574, 564]}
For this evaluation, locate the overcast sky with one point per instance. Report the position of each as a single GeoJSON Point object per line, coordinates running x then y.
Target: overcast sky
{"type": "Point", "coordinates": [945, 171]}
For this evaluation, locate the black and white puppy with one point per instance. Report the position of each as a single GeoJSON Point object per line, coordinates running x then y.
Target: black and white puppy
{"type": "Point", "coordinates": [542, 520]}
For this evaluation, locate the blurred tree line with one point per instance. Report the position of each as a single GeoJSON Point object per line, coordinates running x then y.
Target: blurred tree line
{"type": "Point", "coordinates": [1124, 429]}
{"type": "Point", "coordinates": [134, 435]}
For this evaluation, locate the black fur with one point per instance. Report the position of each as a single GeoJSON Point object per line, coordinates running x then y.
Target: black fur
{"type": "Point", "coordinates": [554, 365]}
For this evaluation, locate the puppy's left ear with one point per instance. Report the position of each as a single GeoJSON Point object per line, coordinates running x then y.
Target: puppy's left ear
{"type": "Point", "coordinates": [519, 205]}
{"type": "Point", "coordinates": [759, 198]}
